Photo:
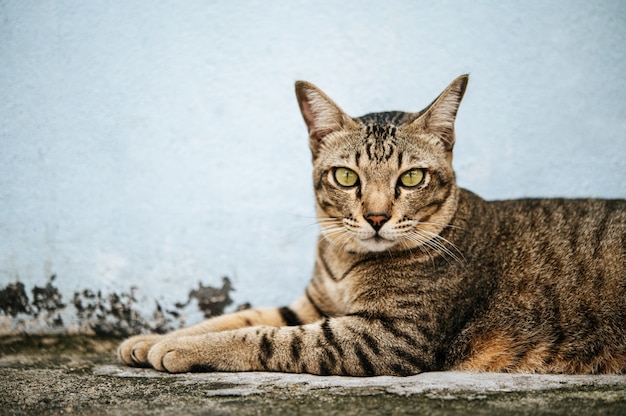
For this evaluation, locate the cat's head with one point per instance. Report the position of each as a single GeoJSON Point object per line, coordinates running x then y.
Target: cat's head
{"type": "Point", "coordinates": [383, 181]}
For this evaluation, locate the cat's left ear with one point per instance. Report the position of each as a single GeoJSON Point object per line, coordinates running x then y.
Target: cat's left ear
{"type": "Point", "coordinates": [321, 115]}
{"type": "Point", "coordinates": [438, 118]}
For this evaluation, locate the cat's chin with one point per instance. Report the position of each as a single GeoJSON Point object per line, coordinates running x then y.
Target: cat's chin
{"type": "Point", "coordinates": [377, 244]}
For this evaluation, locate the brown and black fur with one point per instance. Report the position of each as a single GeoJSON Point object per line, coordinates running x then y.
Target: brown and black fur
{"type": "Point", "coordinates": [427, 277]}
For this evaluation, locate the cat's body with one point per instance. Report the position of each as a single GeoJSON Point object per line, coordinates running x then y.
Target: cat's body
{"type": "Point", "coordinates": [415, 274]}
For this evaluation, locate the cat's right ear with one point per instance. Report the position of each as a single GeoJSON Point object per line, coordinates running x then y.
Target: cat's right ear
{"type": "Point", "coordinates": [321, 115]}
{"type": "Point", "coordinates": [438, 117]}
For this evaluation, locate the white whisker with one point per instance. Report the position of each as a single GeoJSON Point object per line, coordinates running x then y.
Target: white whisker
{"type": "Point", "coordinates": [436, 243]}
{"type": "Point", "coordinates": [438, 237]}
{"type": "Point", "coordinates": [439, 224]}
{"type": "Point", "coordinates": [419, 244]}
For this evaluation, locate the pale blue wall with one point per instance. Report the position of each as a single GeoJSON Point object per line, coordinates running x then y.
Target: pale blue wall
{"type": "Point", "coordinates": [158, 144]}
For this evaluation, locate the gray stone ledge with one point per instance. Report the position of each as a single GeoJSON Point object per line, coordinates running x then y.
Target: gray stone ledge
{"type": "Point", "coordinates": [452, 382]}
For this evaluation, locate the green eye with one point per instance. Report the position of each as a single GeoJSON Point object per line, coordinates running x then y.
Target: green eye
{"type": "Point", "coordinates": [412, 178]}
{"type": "Point", "coordinates": [346, 177]}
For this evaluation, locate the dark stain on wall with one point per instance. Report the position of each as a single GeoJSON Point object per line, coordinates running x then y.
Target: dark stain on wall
{"type": "Point", "coordinates": [47, 302]}
{"type": "Point", "coordinates": [212, 301]}
{"type": "Point", "coordinates": [112, 314]}
{"type": "Point", "coordinates": [14, 300]}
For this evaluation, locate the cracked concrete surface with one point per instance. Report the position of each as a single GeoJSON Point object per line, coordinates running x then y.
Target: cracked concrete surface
{"type": "Point", "coordinates": [80, 375]}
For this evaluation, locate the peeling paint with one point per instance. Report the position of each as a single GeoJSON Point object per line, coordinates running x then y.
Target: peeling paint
{"type": "Point", "coordinates": [110, 314]}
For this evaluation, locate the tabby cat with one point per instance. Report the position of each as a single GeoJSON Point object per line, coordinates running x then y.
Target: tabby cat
{"type": "Point", "coordinates": [416, 274]}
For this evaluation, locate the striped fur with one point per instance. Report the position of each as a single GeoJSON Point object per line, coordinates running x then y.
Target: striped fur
{"type": "Point", "coordinates": [427, 277]}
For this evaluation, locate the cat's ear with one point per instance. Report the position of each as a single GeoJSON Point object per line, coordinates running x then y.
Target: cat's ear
{"type": "Point", "coordinates": [321, 115]}
{"type": "Point", "coordinates": [438, 118]}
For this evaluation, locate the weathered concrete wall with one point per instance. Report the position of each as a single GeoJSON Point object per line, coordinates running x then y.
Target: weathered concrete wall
{"type": "Point", "coordinates": [148, 149]}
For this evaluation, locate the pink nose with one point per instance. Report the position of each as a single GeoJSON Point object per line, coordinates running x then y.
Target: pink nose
{"type": "Point", "coordinates": [377, 220]}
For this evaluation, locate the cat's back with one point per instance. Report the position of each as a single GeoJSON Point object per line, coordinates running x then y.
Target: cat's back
{"type": "Point", "coordinates": [561, 231]}
{"type": "Point", "coordinates": [572, 236]}
{"type": "Point", "coordinates": [562, 211]}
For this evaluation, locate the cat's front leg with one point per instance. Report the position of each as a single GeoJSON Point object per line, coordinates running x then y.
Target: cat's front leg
{"type": "Point", "coordinates": [134, 350]}
{"type": "Point", "coordinates": [332, 346]}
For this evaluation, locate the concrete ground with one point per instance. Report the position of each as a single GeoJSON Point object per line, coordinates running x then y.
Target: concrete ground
{"type": "Point", "coordinates": [80, 376]}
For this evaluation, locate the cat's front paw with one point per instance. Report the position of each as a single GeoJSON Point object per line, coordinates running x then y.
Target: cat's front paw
{"type": "Point", "coordinates": [177, 355]}
{"type": "Point", "coordinates": [134, 351]}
